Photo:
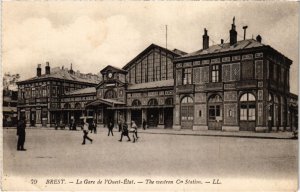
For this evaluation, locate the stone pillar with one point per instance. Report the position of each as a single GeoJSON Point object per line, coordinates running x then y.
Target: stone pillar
{"type": "Point", "coordinates": [176, 118]}
{"type": "Point", "coordinates": [115, 118]}
{"type": "Point", "coordinates": [48, 118]}
{"type": "Point", "coordinates": [128, 117]}
{"type": "Point", "coordinates": [161, 119]}
{"type": "Point", "coordinates": [144, 114]}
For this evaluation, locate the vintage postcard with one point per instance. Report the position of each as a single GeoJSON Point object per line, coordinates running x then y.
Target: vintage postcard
{"type": "Point", "coordinates": [149, 95]}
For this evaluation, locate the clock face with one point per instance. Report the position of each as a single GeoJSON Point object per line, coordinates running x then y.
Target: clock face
{"type": "Point", "coordinates": [110, 75]}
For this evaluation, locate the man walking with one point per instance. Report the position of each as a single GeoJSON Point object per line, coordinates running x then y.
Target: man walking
{"type": "Point", "coordinates": [124, 132]}
{"type": "Point", "coordinates": [21, 135]}
{"type": "Point", "coordinates": [110, 128]}
{"type": "Point", "coordinates": [86, 132]}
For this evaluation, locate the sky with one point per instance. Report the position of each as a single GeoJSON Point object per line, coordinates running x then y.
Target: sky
{"type": "Point", "coordinates": [94, 34]}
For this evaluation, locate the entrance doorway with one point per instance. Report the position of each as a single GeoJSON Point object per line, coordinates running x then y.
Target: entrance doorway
{"type": "Point", "coordinates": [108, 116]}
{"type": "Point", "coordinates": [168, 117]}
{"type": "Point", "coordinates": [187, 113]}
{"type": "Point", "coordinates": [152, 116]}
{"type": "Point", "coordinates": [215, 118]}
{"type": "Point", "coordinates": [247, 112]}
{"type": "Point", "coordinates": [136, 116]}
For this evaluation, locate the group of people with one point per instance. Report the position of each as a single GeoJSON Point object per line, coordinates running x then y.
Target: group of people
{"type": "Point", "coordinates": [87, 127]}
{"type": "Point", "coordinates": [123, 128]}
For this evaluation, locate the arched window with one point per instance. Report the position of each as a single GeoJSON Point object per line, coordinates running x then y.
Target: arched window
{"type": "Point", "coordinates": [187, 100]}
{"type": "Point", "coordinates": [247, 107]}
{"type": "Point", "coordinates": [77, 105]}
{"type": "Point", "coordinates": [169, 101]}
{"type": "Point", "coordinates": [152, 102]}
{"type": "Point", "coordinates": [136, 103]}
{"type": "Point", "coordinates": [67, 106]}
{"type": "Point", "coordinates": [187, 109]}
{"type": "Point", "coordinates": [110, 94]}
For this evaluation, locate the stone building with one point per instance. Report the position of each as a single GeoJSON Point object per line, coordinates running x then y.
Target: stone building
{"type": "Point", "coordinates": [236, 86]}
{"type": "Point", "coordinates": [41, 98]}
{"type": "Point", "coordinates": [142, 89]}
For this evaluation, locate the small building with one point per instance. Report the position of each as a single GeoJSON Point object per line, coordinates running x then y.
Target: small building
{"type": "Point", "coordinates": [41, 98]}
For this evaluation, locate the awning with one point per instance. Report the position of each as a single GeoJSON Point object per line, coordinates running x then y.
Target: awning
{"type": "Point", "coordinates": [110, 102]}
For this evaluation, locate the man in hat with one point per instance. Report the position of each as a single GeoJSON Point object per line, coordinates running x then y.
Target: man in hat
{"type": "Point", "coordinates": [21, 135]}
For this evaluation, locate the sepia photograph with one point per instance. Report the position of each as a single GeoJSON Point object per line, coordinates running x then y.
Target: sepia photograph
{"type": "Point", "coordinates": [149, 95]}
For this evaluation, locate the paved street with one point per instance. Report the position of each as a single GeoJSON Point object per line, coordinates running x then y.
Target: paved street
{"type": "Point", "coordinates": [60, 153]}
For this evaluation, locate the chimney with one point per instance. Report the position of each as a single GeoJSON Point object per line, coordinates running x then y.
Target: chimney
{"type": "Point", "coordinates": [71, 70]}
{"type": "Point", "coordinates": [233, 33]}
{"type": "Point", "coordinates": [39, 70]}
{"type": "Point", "coordinates": [222, 41]}
{"type": "Point", "coordinates": [205, 39]}
{"type": "Point", "coordinates": [258, 38]}
{"type": "Point", "coordinates": [47, 68]}
{"type": "Point", "coordinates": [245, 28]}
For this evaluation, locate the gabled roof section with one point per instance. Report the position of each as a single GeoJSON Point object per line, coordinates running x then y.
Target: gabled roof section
{"type": "Point", "coordinates": [244, 44]}
{"type": "Point", "coordinates": [113, 68]}
{"type": "Point", "coordinates": [226, 47]}
{"type": "Point", "coordinates": [64, 75]}
{"type": "Point", "coordinates": [152, 46]}
{"type": "Point", "coordinates": [82, 91]}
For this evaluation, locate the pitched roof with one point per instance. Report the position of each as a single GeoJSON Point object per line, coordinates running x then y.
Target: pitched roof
{"type": "Point", "coordinates": [154, 84]}
{"type": "Point", "coordinates": [116, 68]}
{"type": "Point", "coordinates": [244, 44]}
{"type": "Point", "coordinates": [146, 50]}
{"type": "Point", "coordinates": [64, 74]}
{"type": "Point", "coordinates": [82, 91]}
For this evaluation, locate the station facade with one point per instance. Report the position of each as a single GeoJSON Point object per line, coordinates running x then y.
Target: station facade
{"type": "Point", "coordinates": [236, 86]}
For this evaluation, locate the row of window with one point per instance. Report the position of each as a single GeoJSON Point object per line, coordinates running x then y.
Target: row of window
{"type": "Point", "coordinates": [155, 67]}
{"type": "Point", "coordinates": [245, 70]}
{"type": "Point", "coordinates": [152, 102]}
{"type": "Point", "coordinates": [247, 108]}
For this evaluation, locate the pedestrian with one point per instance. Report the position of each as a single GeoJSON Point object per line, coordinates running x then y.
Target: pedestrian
{"type": "Point", "coordinates": [124, 132]}
{"type": "Point", "coordinates": [144, 124]}
{"type": "Point", "coordinates": [73, 125]}
{"type": "Point", "coordinates": [120, 125]}
{"type": "Point", "coordinates": [86, 132]}
{"type": "Point", "coordinates": [110, 128]}
{"type": "Point", "coordinates": [21, 135]}
{"type": "Point", "coordinates": [133, 130]}
{"type": "Point", "coordinates": [94, 125]}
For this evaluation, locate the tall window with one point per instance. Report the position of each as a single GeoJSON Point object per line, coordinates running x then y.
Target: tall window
{"type": "Point", "coordinates": [215, 73]}
{"type": "Point", "coordinates": [247, 107]}
{"type": "Point", "coordinates": [187, 76]}
{"type": "Point", "coordinates": [214, 108]}
{"type": "Point", "coordinates": [187, 109]}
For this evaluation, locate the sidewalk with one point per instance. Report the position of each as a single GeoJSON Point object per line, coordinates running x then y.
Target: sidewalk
{"type": "Point", "coordinates": [212, 133]}
{"type": "Point", "coordinates": [241, 134]}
